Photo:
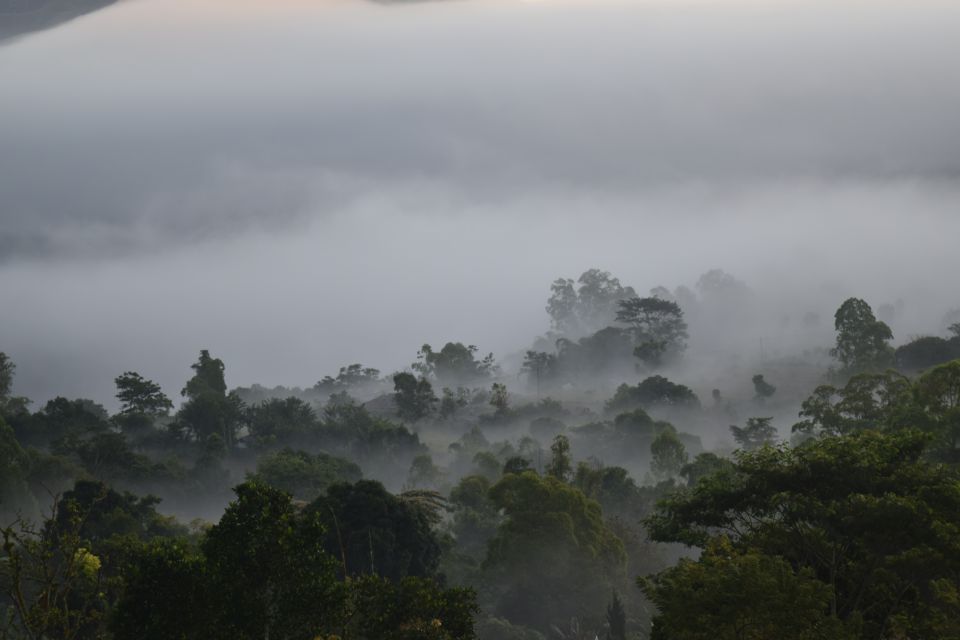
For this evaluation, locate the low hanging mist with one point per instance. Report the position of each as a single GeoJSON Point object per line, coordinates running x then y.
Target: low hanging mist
{"type": "Point", "coordinates": [301, 185]}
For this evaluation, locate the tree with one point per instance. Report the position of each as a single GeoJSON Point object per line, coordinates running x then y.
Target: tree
{"type": "Point", "coordinates": [757, 433]}
{"type": "Point", "coordinates": [52, 589]}
{"type": "Point", "coordinates": [7, 368]}
{"type": "Point", "coordinates": [414, 398]}
{"type": "Point", "coordinates": [374, 532]}
{"type": "Point", "coordinates": [560, 466]}
{"type": "Point", "coordinates": [553, 557]}
{"type": "Point", "coordinates": [653, 391]}
{"type": "Point", "coordinates": [598, 295]}
{"type": "Point", "coordinates": [411, 609]}
{"type": "Point", "coordinates": [865, 514]}
{"type": "Point", "coordinates": [261, 572]}
{"type": "Point", "coordinates": [208, 375]}
{"type": "Point", "coordinates": [562, 305]}
{"type": "Point", "coordinates": [499, 399]}
{"type": "Point", "coordinates": [590, 306]}
{"type": "Point", "coordinates": [862, 340]}
{"type": "Point", "coordinates": [927, 351]}
{"type": "Point", "coordinates": [937, 407]}
{"type": "Point", "coordinates": [423, 473]}
{"type": "Point", "coordinates": [305, 476]}
{"type": "Point", "coordinates": [349, 378]}
{"type": "Point", "coordinates": [141, 396]}
{"type": "Point", "coordinates": [209, 410]}
{"type": "Point", "coordinates": [867, 401]}
{"type": "Point", "coordinates": [732, 595]}
{"type": "Point", "coordinates": [454, 364]}
{"type": "Point", "coordinates": [703, 466]}
{"type": "Point", "coordinates": [658, 327]}
{"type": "Point", "coordinates": [453, 401]}
{"type": "Point", "coordinates": [276, 422]}
{"type": "Point", "coordinates": [668, 455]}
{"type": "Point", "coordinates": [762, 388]}
{"type": "Point", "coordinates": [538, 364]}
{"type": "Point", "coordinates": [14, 468]}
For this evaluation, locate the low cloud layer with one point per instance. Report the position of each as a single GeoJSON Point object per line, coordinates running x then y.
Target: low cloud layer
{"type": "Point", "coordinates": [282, 181]}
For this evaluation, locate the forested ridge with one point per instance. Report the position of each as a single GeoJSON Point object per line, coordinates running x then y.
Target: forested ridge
{"type": "Point", "coordinates": [599, 484]}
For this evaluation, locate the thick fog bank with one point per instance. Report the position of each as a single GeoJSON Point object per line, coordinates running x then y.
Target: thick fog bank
{"type": "Point", "coordinates": [297, 186]}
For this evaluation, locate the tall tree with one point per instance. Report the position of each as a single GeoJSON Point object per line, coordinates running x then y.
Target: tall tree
{"type": "Point", "coordinates": [862, 340]}
{"type": "Point", "coordinates": [755, 434]}
{"type": "Point", "coordinates": [560, 466]}
{"type": "Point", "coordinates": [658, 327]}
{"type": "Point", "coordinates": [143, 402]}
{"type": "Point", "coordinates": [209, 411]}
{"type": "Point", "coordinates": [414, 398]}
{"type": "Point", "coordinates": [865, 514]}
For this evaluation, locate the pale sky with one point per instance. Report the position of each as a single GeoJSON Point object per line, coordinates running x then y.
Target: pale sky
{"type": "Point", "coordinates": [300, 185]}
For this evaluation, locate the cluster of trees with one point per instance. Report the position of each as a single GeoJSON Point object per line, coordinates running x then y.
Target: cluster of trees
{"type": "Point", "coordinates": [448, 502]}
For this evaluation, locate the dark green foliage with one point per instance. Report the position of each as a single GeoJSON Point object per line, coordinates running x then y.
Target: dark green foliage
{"type": "Point", "coordinates": [108, 457]}
{"type": "Point", "coordinates": [274, 422]}
{"type": "Point", "coordinates": [413, 609]}
{"type": "Point", "coordinates": [14, 470]}
{"type": "Point", "coordinates": [350, 431]}
{"type": "Point", "coordinates": [732, 595]}
{"type": "Point", "coordinates": [263, 572]}
{"type": "Point", "coordinates": [141, 396]}
{"type": "Point", "coordinates": [553, 557]}
{"type": "Point", "coordinates": [862, 340]}
{"type": "Point", "coordinates": [475, 517]}
{"type": "Point", "coordinates": [864, 514]}
{"type": "Point", "coordinates": [757, 433]}
{"type": "Point", "coordinates": [936, 409]}
{"type": "Point", "coordinates": [867, 401]}
{"type": "Point", "coordinates": [168, 596]}
{"type": "Point", "coordinates": [107, 513]}
{"type": "Point", "coordinates": [414, 398]}
{"type": "Point", "coordinates": [652, 392]}
{"type": "Point", "coordinates": [371, 531]}
{"type": "Point", "coordinates": [209, 411]}
{"type": "Point", "coordinates": [927, 351]}
{"type": "Point", "coordinates": [60, 423]}
{"type": "Point", "coordinates": [704, 466]}
{"type": "Point", "coordinates": [305, 476]}
{"type": "Point", "coordinates": [615, 491]}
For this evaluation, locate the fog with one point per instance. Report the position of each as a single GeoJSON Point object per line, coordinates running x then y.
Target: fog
{"type": "Point", "coordinates": [301, 185]}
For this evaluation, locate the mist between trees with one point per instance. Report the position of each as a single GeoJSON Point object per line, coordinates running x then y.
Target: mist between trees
{"type": "Point", "coordinates": [636, 472]}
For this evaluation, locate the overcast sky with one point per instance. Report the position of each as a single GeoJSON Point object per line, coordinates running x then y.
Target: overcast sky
{"type": "Point", "coordinates": [300, 185]}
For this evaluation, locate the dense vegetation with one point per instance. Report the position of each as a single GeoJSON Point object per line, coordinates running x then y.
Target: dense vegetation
{"type": "Point", "coordinates": [592, 489]}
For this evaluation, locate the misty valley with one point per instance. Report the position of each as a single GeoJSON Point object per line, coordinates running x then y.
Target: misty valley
{"type": "Point", "coordinates": [600, 485]}
{"type": "Point", "coordinates": [479, 320]}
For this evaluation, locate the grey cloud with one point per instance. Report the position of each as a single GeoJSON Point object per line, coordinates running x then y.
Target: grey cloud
{"type": "Point", "coordinates": [145, 145]}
